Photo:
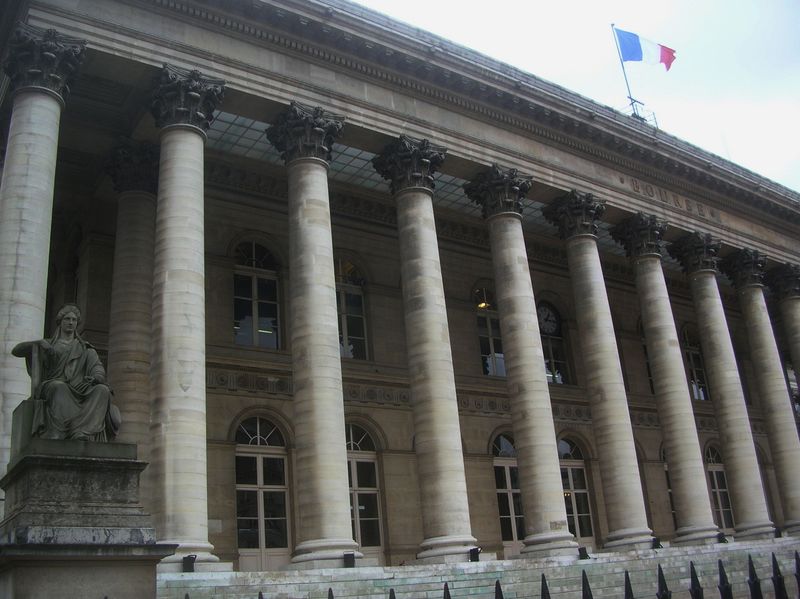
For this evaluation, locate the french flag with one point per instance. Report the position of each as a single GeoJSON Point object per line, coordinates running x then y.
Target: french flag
{"type": "Point", "coordinates": [633, 47]}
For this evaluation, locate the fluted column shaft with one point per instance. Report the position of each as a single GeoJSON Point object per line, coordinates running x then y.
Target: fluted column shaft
{"type": "Point", "coordinates": [183, 107]}
{"type": "Point", "coordinates": [611, 423]}
{"type": "Point", "coordinates": [546, 529]}
{"type": "Point", "coordinates": [575, 214]}
{"type": "Point", "coordinates": [130, 322]}
{"type": "Point", "coordinates": [746, 269]}
{"type": "Point", "coordinates": [304, 136]}
{"type": "Point", "coordinates": [321, 456]}
{"type": "Point", "coordinates": [741, 463]}
{"type": "Point", "coordinates": [437, 438]}
{"type": "Point", "coordinates": [26, 208]}
{"type": "Point", "coordinates": [684, 456]}
{"type": "Point", "coordinates": [410, 164]}
{"type": "Point", "coordinates": [40, 66]}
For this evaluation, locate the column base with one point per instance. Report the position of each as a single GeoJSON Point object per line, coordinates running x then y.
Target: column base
{"type": "Point", "coordinates": [549, 544]}
{"type": "Point", "coordinates": [447, 549]}
{"type": "Point", "coordinates": [629, 539]}
{"type": "Point", "coordinates": [791, 528]}
{"type": "Point", "coordinates": [325, 553]}
{"type": "Point", "coordinates": [204, 560]}
{"type": "Point", "coordinates": [695, 535]}
{"type": "Point", "coordinates": [754, 531]}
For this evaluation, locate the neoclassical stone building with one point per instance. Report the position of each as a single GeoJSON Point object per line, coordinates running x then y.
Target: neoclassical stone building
{"type": "Point", "coordinates": [362, 291]}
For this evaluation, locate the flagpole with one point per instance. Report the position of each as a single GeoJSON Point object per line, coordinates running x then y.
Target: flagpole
{"type": "Point", "coordinates": [624, 73]}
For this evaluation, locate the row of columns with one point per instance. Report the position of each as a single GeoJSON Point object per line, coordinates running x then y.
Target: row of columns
{"type": "Point", "coordinates": [157, 333]}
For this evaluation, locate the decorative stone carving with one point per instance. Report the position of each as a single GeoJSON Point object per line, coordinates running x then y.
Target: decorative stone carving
{"type": "Point", "coordinates": [185, 97]}
{"type": "Point", "coordinates": [640, 235]}
{"type": "Point", "coordinates": [305, 132]}
{"type": "Point", "coordinates": [744, 267]}
{"type": "Point", "coordinates": [696, 251]}
{"type": "Point", "coordinates": [497, 191]}
{"type": "Point", "coordinates": [43, 58]}
{"type": "Point", "coordinates": [133, 166]}
{"type": "Point", "coordinates": [408, 162]}
{"type": "Point", "coordinates": [784, 280]}
{"type": "Point", "coordinates": [575, 214]}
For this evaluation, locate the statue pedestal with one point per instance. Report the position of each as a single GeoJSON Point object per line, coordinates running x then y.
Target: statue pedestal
{"type": "Point", "coordinates": [73, 524]}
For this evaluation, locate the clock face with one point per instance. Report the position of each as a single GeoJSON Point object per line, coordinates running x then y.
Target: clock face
{"type": "Point", "coordinates": [548, 320]}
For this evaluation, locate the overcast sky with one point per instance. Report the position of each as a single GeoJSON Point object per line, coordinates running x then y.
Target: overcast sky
{"type": "Point", "coordinates": [733, 90]}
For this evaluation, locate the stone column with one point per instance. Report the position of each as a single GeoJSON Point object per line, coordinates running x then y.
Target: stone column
{"type": "Point", "coordinates": [40, 66]}
{"type": "Point", "coordinates": [183, 108]}
{"type": "Point", "coordinates": [784, 281]}
{"type": "Point", "coordinates": [304, 136]}
{"type": "Point", "coordinates": [641, 236]}
{"type": "Point", "coordinates": [575, 215]}
{"type": "Point", "coordinates": [500, 194]}
{"type": "Point", "coordinates": [409, 165]}
{"type": "Point", "coordinates": [134, 171]}
{"type": "Point", "coordinates": [746, 269]}
{"type": "Point", "coordinates": [698, 255]}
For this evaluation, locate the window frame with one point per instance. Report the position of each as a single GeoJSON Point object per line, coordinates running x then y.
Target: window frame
{"type": "Point", "coordinates": [551, 341]}
{"type": "Point", "coordinates": [699, 389]}
{"type": "Point", "coordinates": [354, 286]}
{"type": "Point", "coordinates": [257, 274]}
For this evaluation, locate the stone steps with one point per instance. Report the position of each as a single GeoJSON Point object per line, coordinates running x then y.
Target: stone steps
{"type": "Point", "coordinates": [520, 578]}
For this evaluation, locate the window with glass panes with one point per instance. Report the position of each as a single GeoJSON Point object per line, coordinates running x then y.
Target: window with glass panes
{"type": "Point", "coordinates": [489, 337]}
{"type": "Point", "coordinates": [576, 489]}
{"type": "Point", "coordinates": [718, 487]}
{"type": "Point", "coordinates": [553, 344]}
{"type": "Point", "coordinates": [698, 386]}
{"type": "Point", "coordinates": [350, 306]}
{"type": "Point", "coordinates": [506, 481]}
{"type": "Point", "coordinates": [669, 488]}
{"type": "Point", "coordinates": [261, 486]}
{"type": "Point", "coordinates": [256, 314]}
{"type": "Point", "coordinates": [362, 470]}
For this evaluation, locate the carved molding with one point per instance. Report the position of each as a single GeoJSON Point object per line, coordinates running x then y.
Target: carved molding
{"type": "Point", "coordinates": [43, 58]}
{"type": "Point", "coordinates": [696, 251]}
{"type": "Point", "coordinates": [745, 267]}
{"type": "Point", "coordinates": [497, 191]}
{"type": "Point", "coordinates": [185, 97]}
{"type": "Point", "coordinates": [225, 175]}
{"type": "Point", "coordinates": [133, 166]}
{"type": "Point", "coordinates": [575, 214]}
{"type": "Point", "coordinates": [232, 380]}
{"type": "Point", "coordinates": [305, 132]}
{"type": "Point", "coordinates": [409, 162]}
{"type": "Point", "coordinates": [640, 235]}
{"type": "Point", "coordinates": [784, 281]}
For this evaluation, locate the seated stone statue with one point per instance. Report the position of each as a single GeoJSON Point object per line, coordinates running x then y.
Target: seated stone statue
{"type": "Point", "coordinates": [71, 398]}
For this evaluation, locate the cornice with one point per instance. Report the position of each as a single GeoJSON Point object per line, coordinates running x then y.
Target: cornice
{"type": "Point", "coordinates": [369, 45]}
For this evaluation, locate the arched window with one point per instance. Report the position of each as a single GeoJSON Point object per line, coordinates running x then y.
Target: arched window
{"type": "Point", "coordinates": [365, 504]}
{"type": "Point", "coordinates": [576, 491]}
{"type": "Point", "coordinates": [698, 385]}
{"type": "Point", "coordinates": [256, 313]}
{"type": "Point", "coordinates": [506, 480]}
{"type": "Point", "coordinates": [718, 487]}
{"type": "Point", "coordinates": [262, 496]}
{"type": "Point", "coordinates": [489, 337]}
{"type": "Point", "coordinates": [350, 306]}
{"type": "Point", "coordinates": [553, 345]}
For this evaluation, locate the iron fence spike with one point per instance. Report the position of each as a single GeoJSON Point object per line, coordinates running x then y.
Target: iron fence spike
{"type": "Point", "coordinates": [545, 594]}
{"type": "Point", "coordinates": [663, 589]}
{"type": "Point", "coordinates": [752, 579]}
{"type": "Point", "coordinates": [725, 589]}
{"type": "Point", "coordinates": [695, 590]}
{"type": "Point", "coordinates": [446, 591]}
{"type": "Point", "coordinates": [391, 594]}
{"type": "Point", "coordinates": [498, 590]}
{"type": "Point", "coordinates": [628, 589]}
{"type": "Point", "coordinates": [777, 580]}
{"type": "Point", "coordinates": [330, 593]}
{"type": "Point", "coordinates": [586, 590]}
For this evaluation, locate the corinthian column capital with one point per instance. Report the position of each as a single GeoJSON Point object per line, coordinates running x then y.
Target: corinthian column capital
{"type": "Point", "coordinates": [696, 251]}
{"type": "Point", "coordinates": [43, 58]}
{"type": "Point", "coordinates": [133, 166]}
{"type": "Point", "coordinates": [575, 214]}
{"type": "Point", "coordinates": [408, 162]}
{"type": "Point", "coordinates": [640, 235]}
{"type": "Point", "coordinates": [745, 267]}
{"type": "Point", "coordinates": [784, 281]}
{"type": "Point", "coordinates": [305, 132]}
{"type": "Point", "coordinates": [185, 97]}
{"type": "Point", "coordinates": [497, 191]}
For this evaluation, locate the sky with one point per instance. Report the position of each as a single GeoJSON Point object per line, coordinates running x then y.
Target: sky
{"type": "Point", "coordinates": [733, 90]}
